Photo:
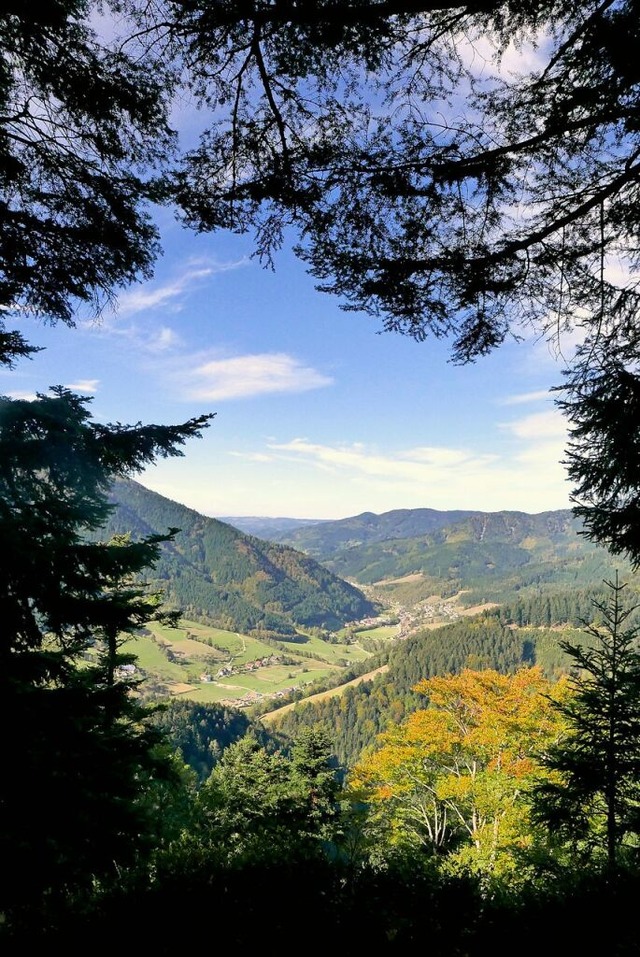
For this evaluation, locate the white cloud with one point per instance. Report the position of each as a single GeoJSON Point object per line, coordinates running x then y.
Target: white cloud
{"type": "Point", "coordinates": [150, 296]}
{"type": "Point", "coordinates": [163, 339]}
{"type": "Point", "coordinates": [252, 456]}
{"type": "Point", "coordinates": [479, 54]}
{"type": "Point", "coordinates": [540, 425]}
{"type": "Point", "coordinates": [526, 397]}
{"type": "Point", "coordinates": [140, 338]}
{"type": "Point", "coordinates": [241, 377]}
{"type": "Point", "coordinates": [530, 478]}
{"type": "Point", "coordinates": [413, 464]}
{"type": "Point", "coordinates": [301, 477]}
{"type": "Point", "coordinates": [84, 385]}
{"type": "Point", "coordinates": [441, 457]}
{"type": "Point", "coordinates": [542, 456]}
{"type": "Point", "coordinates": [23, 396]}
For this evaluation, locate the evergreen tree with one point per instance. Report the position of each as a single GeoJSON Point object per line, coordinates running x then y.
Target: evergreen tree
{"type": "Point", "coordinates": [314, 775]}
{"type": "Point", "coordinates": [602, 405]}
{"type": "Point", "coordinates": [81, 759]}
{"type": "Point", "coordinates": [594, 800]}
{"type": "Point", "coordinates": [260, 805]}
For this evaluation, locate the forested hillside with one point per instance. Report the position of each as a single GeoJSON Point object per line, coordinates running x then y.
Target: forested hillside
{"type": "Point", "coordinates": [410, 554]}
{"type": "Point", "coordinates": [323, 540]}
{"type": "Point", "coordinates": [353, 719]}
{"type": "Point", "coordinates": [200, 733]}
{"type": "Point", "coordinates": [487, 556]}
{"type": "Point", "coordinates": [522, 632]}
{"type": "Point", "coordinates": [212, 571]}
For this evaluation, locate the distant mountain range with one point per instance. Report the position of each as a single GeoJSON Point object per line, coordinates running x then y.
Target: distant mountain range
{"type": "Point", "coordinates": [315, 573]}
{"type": "Point", "coordinates": [235, 581]}
{"type": "Point", "coordinates": [323, 539]}
{"type": "Point", "coordinates": [410, 554]}
{"type": "Point", "coordinates": [274, 529]}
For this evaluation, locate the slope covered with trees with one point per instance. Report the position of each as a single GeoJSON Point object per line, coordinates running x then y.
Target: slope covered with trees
{"type": "Point", "coordinates": [324, 540]}
{"type": "Point", "coordinates": [201, 733]}
{"type": "Point", "coordinates": [212, 571]}
{"type": "Point", "coordinates": [361, 712]}
{"type": "Point", "coordinates": [488, 557]}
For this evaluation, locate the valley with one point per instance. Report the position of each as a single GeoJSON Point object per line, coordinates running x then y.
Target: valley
{"type": "Point", "coordinates": [206, 665]}
{"type": "Point", "coordinates": [269, 623]}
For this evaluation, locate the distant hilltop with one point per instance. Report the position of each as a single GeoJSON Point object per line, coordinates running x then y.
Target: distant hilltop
{"type": "Point", "coordinates": [265, 527]}
{"type": "Point", "coordinates": [215, 572]}
{"type": "Point", "coordinates": [323, 538]}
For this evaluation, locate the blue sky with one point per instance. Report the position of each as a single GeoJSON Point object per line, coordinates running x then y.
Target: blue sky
{"type": "Point", "coordinates": [319, 414]}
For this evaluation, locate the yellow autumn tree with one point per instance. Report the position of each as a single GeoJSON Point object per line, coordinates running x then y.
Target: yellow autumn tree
{"type": "Point", "coordinates": [452, 780]}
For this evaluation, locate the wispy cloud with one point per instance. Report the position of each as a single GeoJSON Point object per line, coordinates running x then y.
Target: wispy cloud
{"type": "Point", "coordinates": [521, 470]}
{"type": "Point", "coordinates": [90, 386]}
{"type": "Point", "coordinates": [242, 377]}
{"type": "Point", "coordinates": [528, 478]}
{"type": "Point", "coordinates": [253, 456]}
{"type": "Point", "coordinates": [152, 296]}
{"type": "Point", "coordinates": [540, 425]}
{"type": "Point", "coordinates": [144, 339]}
{"type": "Point", "coordinates": [411, 464]}
{"type": "Point", "coordinates": [23, 396]}
{"type": "Point", "coordinates": [84, 385]}
{"type": "Point", "coordinates": [479, 54]}
{"type": "Point", "coordinates": [163, 340]}
{"type": "Point", "coordinates": [526, 397]}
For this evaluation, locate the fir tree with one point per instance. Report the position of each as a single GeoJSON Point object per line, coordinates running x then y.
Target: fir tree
{"type": "Point", "coordinates": [594, 802]}
{"type": "Point", "coordinates": [81, 758]}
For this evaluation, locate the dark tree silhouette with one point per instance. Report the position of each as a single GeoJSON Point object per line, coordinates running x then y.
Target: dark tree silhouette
{"type": "Point", "coordinates": [603, 456]}
{"type": "Point", "coordinates": [595, 802]}
{"type": "Point", "coordinates": [80, 757]}
{"type": "Point", "coordinates": [82, 125]}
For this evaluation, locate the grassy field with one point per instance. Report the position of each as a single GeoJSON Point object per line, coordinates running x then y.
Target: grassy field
{"type": "Point", "coordinates": [382, 631]}
{"type": "Point", "coordinates": [342, 653]}
{"type": "Point", "coordinates": [209, 665]}
{"type": "Point", "coordinates": [271, 717]}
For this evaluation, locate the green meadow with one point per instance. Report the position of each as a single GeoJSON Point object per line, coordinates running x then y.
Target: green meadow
{"type": "Point", "coordinates": [209, 665]}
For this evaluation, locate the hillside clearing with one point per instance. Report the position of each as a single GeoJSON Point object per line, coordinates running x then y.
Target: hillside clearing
{"type": "Point", "coordinates": [271, 716]}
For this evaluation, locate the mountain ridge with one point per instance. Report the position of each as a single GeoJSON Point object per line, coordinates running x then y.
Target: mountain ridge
{"type": "Point", "coordinates": [214, 571]}
{"type": "Point", "coordinates": [326, 574]}
{"type": "Point", "coordinates": [323, 539]}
